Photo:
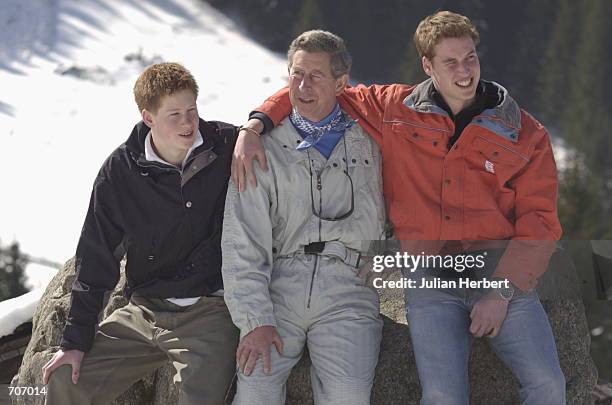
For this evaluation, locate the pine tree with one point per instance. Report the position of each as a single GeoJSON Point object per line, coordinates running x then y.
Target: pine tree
{"type": "Point", "coordinates": [527, 52]}
{"type": "Point", "coordinates": [308, 18]}
{"type": "Point", "coordinates": [585, 121]}
{"type": "Point", "coordinates": [554, 75]}
{"type": "Point", "coordinates": [12, 267]}
{"type": "Point", "coordinates": [579, 209]}
{"type": "Point", "coordinates": [409, 68]}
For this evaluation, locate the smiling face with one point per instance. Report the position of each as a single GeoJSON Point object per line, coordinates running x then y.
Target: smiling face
{"type": "Point", "coordinates": [174, 125]}
{"type": "Point", "coordinates": [312, 86]}
{"type": "Point", "coordinates": [455, 71]}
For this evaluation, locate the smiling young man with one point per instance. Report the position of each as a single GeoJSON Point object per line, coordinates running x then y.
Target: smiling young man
{"type": "Point", "coordinates": [292, 245]}
{"type": "Point", "coordinates": [463, 167]}
{"type": "Point", "coordinates": [159, 199]}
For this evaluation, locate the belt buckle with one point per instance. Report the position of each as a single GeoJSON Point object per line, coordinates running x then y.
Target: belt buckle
{"type": "Point", "coordinates": [314, 248]}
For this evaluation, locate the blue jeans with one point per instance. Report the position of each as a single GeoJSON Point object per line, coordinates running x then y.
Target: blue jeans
{"type": "Point", "coordinates": [439, 326]}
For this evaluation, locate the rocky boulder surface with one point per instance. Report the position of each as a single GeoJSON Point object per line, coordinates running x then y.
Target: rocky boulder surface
{"type": "Point", "coordinates": [396, 379]}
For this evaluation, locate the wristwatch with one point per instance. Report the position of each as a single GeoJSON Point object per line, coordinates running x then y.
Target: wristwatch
{"type": "Point", "coordinates": [506, 293]}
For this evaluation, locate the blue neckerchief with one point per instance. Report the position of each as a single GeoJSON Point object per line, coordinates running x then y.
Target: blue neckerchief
{"type": "Point", "coordinates": [323, 135]}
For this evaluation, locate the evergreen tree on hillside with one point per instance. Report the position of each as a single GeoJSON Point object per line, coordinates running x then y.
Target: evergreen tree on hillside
{"type": "Point", "coordinates": [409, 68]}
{"type": "Point", "coordinates": [12, 277]}
{"type": "Point", "coordinates": [308, 18]}
{"type": "Point", "coordinates": [559, 55]}
{"type": "Point", "coordinates": [579, 207]}
{"type": "Point", "coordinates": [527, 52]}
{"type": "Point", "coordinates": [586, 123]}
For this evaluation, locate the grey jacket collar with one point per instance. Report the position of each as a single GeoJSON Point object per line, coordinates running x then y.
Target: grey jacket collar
{"type": "Point", "coordinates": [504, 119]}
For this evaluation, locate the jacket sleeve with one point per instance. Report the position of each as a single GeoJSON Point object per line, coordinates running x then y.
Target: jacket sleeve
{"type": "Point", "coordinates": [97, 270]}
{"type": "Point", "coordinates": [537, 226]}
{"type": "Point", "coordinates": [274, 108]}
{"type": "Point", "coordinates": [246, 245]}
{"type": "Point", "coordinates": [366, 104]}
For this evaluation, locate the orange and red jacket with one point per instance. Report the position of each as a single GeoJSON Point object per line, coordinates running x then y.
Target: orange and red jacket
{"type": "Point", "coordinates": [497, 182]}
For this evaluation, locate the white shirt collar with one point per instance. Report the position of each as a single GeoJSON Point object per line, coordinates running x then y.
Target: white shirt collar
{"type": "Point", "coordinates": [151, 156]}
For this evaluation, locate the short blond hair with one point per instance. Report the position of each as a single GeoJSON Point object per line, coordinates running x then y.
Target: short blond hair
{"type": "Point", "coordinates": [438, 26]}
{"type": "Point", "coordinates": [159, 80]}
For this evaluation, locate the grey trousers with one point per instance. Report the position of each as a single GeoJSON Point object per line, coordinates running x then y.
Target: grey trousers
{"type": "Point", "coordinates": [323, 305]}
{"type": "Point", "coordinates": [200, 341]}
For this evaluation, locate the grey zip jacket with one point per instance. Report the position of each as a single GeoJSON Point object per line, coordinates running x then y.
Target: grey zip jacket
{"type": "Point", "coordinates": [265, 225]}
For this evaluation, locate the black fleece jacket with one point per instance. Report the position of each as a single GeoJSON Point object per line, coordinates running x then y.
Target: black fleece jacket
{"type": "Point", "coordinates": [168, 223]}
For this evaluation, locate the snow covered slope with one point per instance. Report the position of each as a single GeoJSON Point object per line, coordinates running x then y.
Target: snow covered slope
{"type": "Point", "coordinates": [18, 310]}
{"type": "Point", "coordinates": [66, 75]}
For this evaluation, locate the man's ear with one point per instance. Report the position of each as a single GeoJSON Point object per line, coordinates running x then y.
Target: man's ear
{"type": "Point", "coordinates": [427, 66]}
{"type": "Point", "coordinates": [341, 83]}
{"type": "Point", "coordinates": [147, 118]}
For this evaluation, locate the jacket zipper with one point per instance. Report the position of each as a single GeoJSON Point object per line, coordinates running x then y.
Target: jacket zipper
{"type": "Point", "coordinates": [314, 271]}
{"type": "Point", "coordinates": [319, 187]}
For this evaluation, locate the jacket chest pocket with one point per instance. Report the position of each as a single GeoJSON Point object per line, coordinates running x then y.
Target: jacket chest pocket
{"type": "Point", "coordinates": [419, 139]}
{"type": "Point", "coordinates": [144, 252]}
{"type": "Point", "coordinates": [363, 165]}
{"type": "Point", "coordinates": [493, 162]}
{"type": "Point", "coordinates": [292, 180]}
{"type": "Point", "coordinates": [359, 153]}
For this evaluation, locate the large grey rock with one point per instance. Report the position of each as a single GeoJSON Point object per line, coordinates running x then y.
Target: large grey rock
{"type": "Point", "coordinates": [491, 382]}
{"type": "Point", "coordinates": [396, 379]}
{"type": "Point", "coordinates": [48, 323]}
{"type": "Point", "coordinates": [603, 393]}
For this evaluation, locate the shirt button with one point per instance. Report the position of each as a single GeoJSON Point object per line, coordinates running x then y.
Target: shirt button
{"type": "Point", "coordinates": [447, 217]}
{"type": "Point", "coordinates": [447, 181]}
{"type": "Point", "coordinates": [188, 204]}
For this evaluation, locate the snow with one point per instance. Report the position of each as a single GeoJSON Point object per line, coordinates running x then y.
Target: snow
{"type": "Point", "coordinates": [38, 276]}
{"type": "Point", "coordinates": [56, 129]}
{"type": "Point", "coordinates": [17, 311]}
{"type": "Point", "coordinates": [66, 72]}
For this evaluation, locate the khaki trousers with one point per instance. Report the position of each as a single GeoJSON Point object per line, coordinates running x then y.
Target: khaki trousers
{"type": "Point", "coordinates": [200, 340]}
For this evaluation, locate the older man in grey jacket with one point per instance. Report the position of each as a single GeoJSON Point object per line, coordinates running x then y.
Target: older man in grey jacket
{"type": "Point", "coordinates": [292, 245]}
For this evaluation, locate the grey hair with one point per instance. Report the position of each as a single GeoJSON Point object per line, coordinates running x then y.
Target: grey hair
{"type": "Point", "coordinates": [323, 41]}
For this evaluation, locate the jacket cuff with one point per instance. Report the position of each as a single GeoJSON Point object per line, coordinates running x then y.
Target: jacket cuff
{"type": "Point", "coordinates": [524, 262]}
{"type": "Point", "coordinates": [252, 323]}
{"type": "Point", "coordinates": [273, 110]}
{"type": "Point", "coordinates": [77, 338]}
{"type": "Point", "coordinates": [265, 120]}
